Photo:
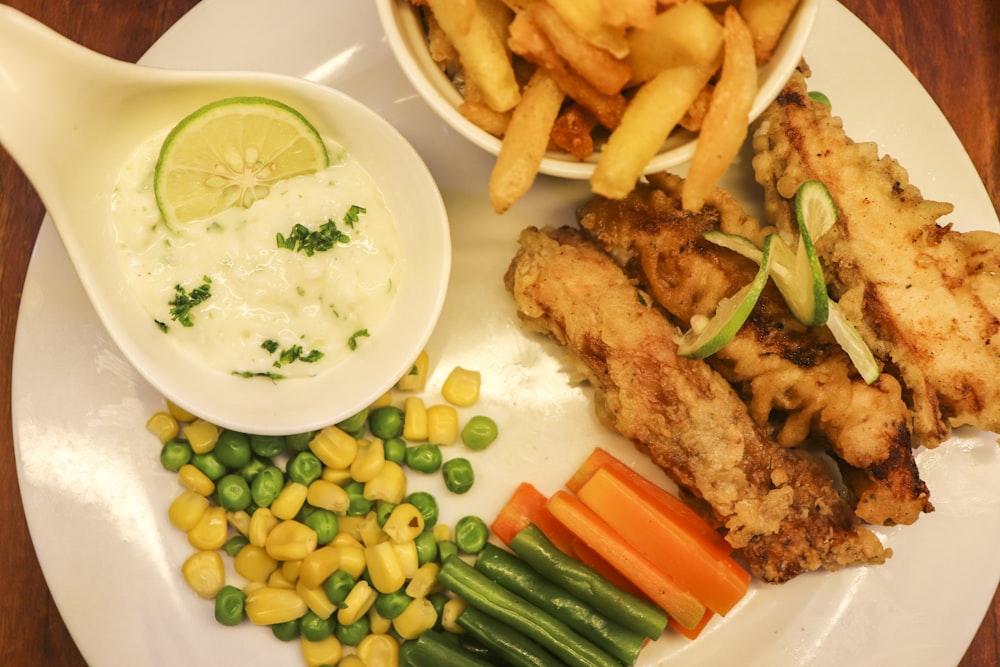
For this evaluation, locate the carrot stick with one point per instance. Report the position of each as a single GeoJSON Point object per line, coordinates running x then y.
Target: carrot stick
{"type": "Point", "coordinates": [718, 583]}
{"type": "Point", "coordinates": [651, 580]}
{"type": "Point", "coordinates": [601, 459]}
{"type": "Point", "coordinates": [527, 505]}
{"type": "Point", "coordinates": [696, 630]}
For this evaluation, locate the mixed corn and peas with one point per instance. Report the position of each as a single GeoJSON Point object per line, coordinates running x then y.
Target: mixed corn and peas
{"type": "Point", "coordinates": [332, 549]}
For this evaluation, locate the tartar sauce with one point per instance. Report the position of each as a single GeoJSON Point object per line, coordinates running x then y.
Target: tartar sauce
{"type": "Point", "coordinates": [272, 311]}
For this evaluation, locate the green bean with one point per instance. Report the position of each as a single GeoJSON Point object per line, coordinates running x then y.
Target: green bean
{"type": "Point", "coordinates": [267, 445]}
{"type": "Point", "coordinates": [458, 475]}
{"type": "Point", "coordinates": [287, 631]}
{"type": "Point", "coordinates": [587, 585]}
{"type": "Point", "coordinates": [175, 453]}
{"type": "Point", "coordinates": [386, 422]}
{"type": "Point", "coordinates": [427, 505]}
{"type": "Point", "coordinates": [517, 576]}
{"type": "Point", "coordinates": [337, 586]}
{"type": "Point", "coordinates": [234, 492]}
{"type": "Point", "coordinates": [229, 605]}
{"type": "Point", "coordinates": [314, 628]}
{"type": "Point", "coordinates": [424, 458]}
{"type": "Point", "coordinates": [479, 432]}
{"type": "Point", "coordinates": [350, 635]}
{"type": "Point", "coordinates": [209, 464]}
{"type": "Point", "coordinates": [233, 449]}
{"type": "Point", "coordinates": [395, 450]}
{"type": "Point", "coordinates": [391, 605]}
{"type": "Point", "coordinates": [304, 468]}
{"type": "Point", "coordinates": [516, 649]}
{"type": "Point", "coordinates": [435, 649]}
{"type": "Point", "coordinates": [471, 534]}
{"type": "Point", "coordinates": [502, 605]}
{"type": "Point", "coordinates": [234, 544]}
{"type": "Point", "coordinates": [266, 486]}
{"type": "Point", "coordinates": [446, 549]}
{"type": "Point", "coordinates": [324, 522]}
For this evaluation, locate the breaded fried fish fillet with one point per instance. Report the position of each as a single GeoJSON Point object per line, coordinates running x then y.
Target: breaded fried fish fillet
{"type": "Point", "coordinates": [925, 298]}
{"type": "Point", "coordinates": [779, 507]}
{"type": "Point", "coordinates": [795, 378]}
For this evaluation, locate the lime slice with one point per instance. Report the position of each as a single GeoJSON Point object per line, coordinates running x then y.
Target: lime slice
{"type": "Point", "coordinates": [849, 339]}
{"type": "Point", "coordinates": [229, 153]}
{"type": "Point", "coordinates": [709, 335]}
{"type": "Point", "coordinates": [815, 209]}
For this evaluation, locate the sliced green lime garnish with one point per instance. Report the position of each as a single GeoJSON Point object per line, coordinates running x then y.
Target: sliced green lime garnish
{"type": "Point", "coordinates": [819, 97]}
{"type": "Point", "coordinates": [709, 335]}
{"type": "Point", "coordinates": [849, 339]}
{"type": "Point", "coordinates": [229, 153]}
{"type": "Point", "coordinates": [815, 209]}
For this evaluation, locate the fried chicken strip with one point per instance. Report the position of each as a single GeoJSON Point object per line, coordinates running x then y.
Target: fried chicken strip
{"type": "Point", "coordinates": [795, 378]}
{"type": "Point", "coordinates": [778, 506]}
{"type": "Point", "coordinates": [924, 297]}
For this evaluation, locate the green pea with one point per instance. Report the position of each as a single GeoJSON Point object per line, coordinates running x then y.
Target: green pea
{"type": "Point", "coordinates": [424, 458]}
{"type": "Point", "coordinates": [391, 605]}
{"type": "Point", "coordinates": [234, 492]}
{"type": "Point", "coordinates": [395, 450]}
{"type": "Point", "coordinates": [446, 549]}
{"type": "Point", "coordinates": [386, 422]}
{"type": "Point", "coordinates": [267, 485]}
{"type": "Point", "coordinates": [337, 586]}
{"type": "Point", "coordinates": [287, 631]}
{"type": "Point", "coordinates": [471, 534]}
{"type": "Point", "coordinates": [354, 423]}
{"type": "Point", "coordinates": [479, 432]}
{"type": "Point", "coordinates": [209, 464]}
{"type": "Point", "coordinates": [314, 628]}
{"type": "Point", "coordinates": [175, 453]}
{"type": "Point", "coordinates": [233, 449]}
{"type": "Point", "coordinates": [299, 442]}
{"type": "Point", "coordinates": [438, 601]}
{"type": "Point", "coordinates": [458, 475]}
{"type": "Point", "coordinates": [304, 468]}
{"type": "Point", "coordinates": [359, 505]}
{"type": "Point", "coordinates": [267, 445]}
{"type": "Point", "coordinates": [324, 522]}
{"type": "Point", "coordinates": [229, 604]}
{"type": "Point", "coordinates": [350, 635]}
{"type": "Point", "coordinates": [427, 506]}
{"type": "Point", "coordinates": [427, 551]}
{"type": "Point", "coordinates": [234, 544]}
{"type": "Point", "coordinates": [252, 468]}
{"type": "Point", "coordinates": [382, 511]}
{"type": "Point", "coordinates": [304, 512]}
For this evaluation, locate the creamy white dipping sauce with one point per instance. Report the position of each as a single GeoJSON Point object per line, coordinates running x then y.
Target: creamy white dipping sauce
{"type": "Point", "coordinates": [263, 295]}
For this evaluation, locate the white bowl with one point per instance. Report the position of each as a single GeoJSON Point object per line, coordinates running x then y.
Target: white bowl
{"type": "Point", "coordinates": [409, 45]}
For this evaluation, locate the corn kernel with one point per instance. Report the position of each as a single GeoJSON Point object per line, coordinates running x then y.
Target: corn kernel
{"type": "Point", "coordinates": [442, 532]}
{"type": "Point", "coordinates": [164, 426]}
{"type": "Point", "coordinates": [328, 495]}
{"type": "Point", "coordinates": [290, 500]}
{"type": "Point", "coordinates": [201, 435]}
{"type": "Point", "coordinates": [371, 532]}
{"type": "Point", "coordinates": [442, 424]}
{"type": "Point", "coordinates": [377, 623]}
{"type": "Point", "coordinates": [414, 419]}
{"type": "Point", "coordinates": [211, 530]}
{"type": "Point", "coordinates": [339, 476]}
{"type": "Point", "coordinates": [349, 527]}
{"type": "Point", "coordinates": [418, 616]}
{"type": "Point", "coordinates": [262, 522]}
{"type": "Point", "coordinates": [277, 579]}
{"type": "Point", "coordinates": [317, 600]}
{"type": "Point", "coordinates": [452, 609]}
{"type": "Point", "coordinates": [253, 563]}
{"type": "Point", "coordinates": [323, 652]}
{"type": "Point", "coordinates": [240, 521]}
{"type": "Point", "coordinates": [379, 649]}
{"type": "Point", "coordinates": [204, 573]}
{"type": "Point", "coordinates": [405, 522]}
{"type": "Point", "coordinates": [357, 603]}
{"type": "Point", "coordinates": [334, 447]}
{"type": "Point", "coordinates": [290, 540]}
{"type": "Point", "coordinates": [186, 509]}
{"type": "Point", "coordinates": [369, 460]}
{"type": "Point", "coordinates": [416, 377]}
{"type": "Point", "coordinates": [319, 565]}
{"type": "Point", "coordinates": [351, 660]}
{"type": "Point", "coordinates": [191, 478]}
{"type": "Point", "coordinates": [384, 568]}
{"type": "Point", "coordinates": [382, 401]}
{"type": "Point", "coordinates": [424, 582]}
{"type": "Point", "coordinates": [253, 586]}
{"type": "Point", "coordinates": [352, 559]}
{"type": "Point", "coordinates": [179, 413]}
{"type": "Point", "coordinates": [408, 558]}
{"type": "Point", "coordinates": [292, 569]}
{"type": "Point", "coordinates": [268, 606]}
{"type": "Point", "coordinates": [389, 484]}
{"type": "Point", "coordinates": [461, 387]}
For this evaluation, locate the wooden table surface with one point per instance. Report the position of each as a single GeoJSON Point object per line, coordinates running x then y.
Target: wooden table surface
{"type": "Point", "coordinates": [952, 47]}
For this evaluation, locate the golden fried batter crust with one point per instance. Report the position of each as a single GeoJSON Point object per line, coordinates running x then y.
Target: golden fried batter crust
{"type": "Point", "coordinates": [779, 507]}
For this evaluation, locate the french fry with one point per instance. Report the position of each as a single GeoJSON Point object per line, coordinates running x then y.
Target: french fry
{"type": "Point", "coordinates": [629, 13]}
{"type": "Point", "coordinates": [526, 141]}
{"type": "Point", "coordinates": [725, 125]}
{"type": "Point", "coordinates": [483, 55]}
{"type": "Point", "coordinates": [598, 67]}
{"type": "Point", "coordinates": [587, 18]}
{"type": "Point", "coordinates": [651, 115]}
{"type": "Point", "coordinates": [528, 41]}
{"type": "Point", "coordinates": [767, 20]}
{"type": "Point", "coordinates": [494, 122]}
{"type": "Point", "coordinates": [681, 35]}
{"type": "Point", "coordinates": [572, 131]}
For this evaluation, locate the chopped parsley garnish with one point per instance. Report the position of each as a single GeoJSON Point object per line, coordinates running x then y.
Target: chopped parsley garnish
{"type": "Point", "coordinates": [352, 342]}
{"type": "Point", "coordinates": [291, 354]}
{"type": "Point", "coordinates": [253, 374]}
{"type": "Point", "coordinates": [312, 241]}
{"type": "Point", "coordinates": [352, 214]}
{"type": "Point", "coordinates": [184, 301]}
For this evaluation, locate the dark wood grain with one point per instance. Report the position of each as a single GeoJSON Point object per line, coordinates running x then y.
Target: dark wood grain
{"type": "Point", "coordinates": [952, 47]}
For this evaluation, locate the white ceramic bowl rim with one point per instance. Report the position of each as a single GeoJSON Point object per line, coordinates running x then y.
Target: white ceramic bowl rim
{"type": "Point", "coordinates": [408, 43]}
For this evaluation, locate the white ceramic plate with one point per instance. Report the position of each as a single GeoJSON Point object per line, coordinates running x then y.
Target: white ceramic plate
{"type": "Point", "coordinates": [96, 497]}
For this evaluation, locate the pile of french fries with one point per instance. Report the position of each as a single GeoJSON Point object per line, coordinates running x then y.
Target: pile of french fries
{"type": "Point", "coordinates": [611, 77]}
